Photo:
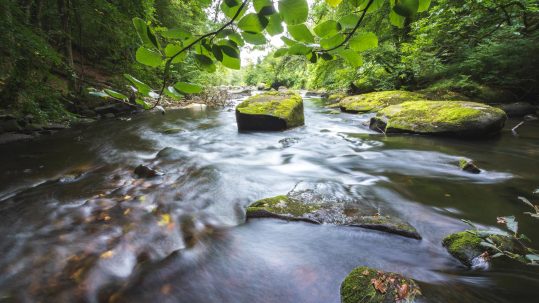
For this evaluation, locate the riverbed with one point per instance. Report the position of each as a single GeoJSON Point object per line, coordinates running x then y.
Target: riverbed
{"type": "Point", "coordinates": [78, 225]}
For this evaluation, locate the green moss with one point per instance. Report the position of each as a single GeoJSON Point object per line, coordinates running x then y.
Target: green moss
{"type": "Point", "coordinates": [285, 105]}
{"type": "Point", "coordinates": [358, 287]}
{"type": "Point", "coordinates": [376, 101]}
{"type": "Point", "coordinates": [283, 205]}
{"type": "Point", "coordinates": [335, 98]}
{"type": "Point", "coordinates": [440, 116]}
{"type": "Point", "coordinates": [464, 246]}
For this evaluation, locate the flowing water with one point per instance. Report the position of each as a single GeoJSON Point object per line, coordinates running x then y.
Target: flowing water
{"type": "Point", "coordinates": [77, 225]}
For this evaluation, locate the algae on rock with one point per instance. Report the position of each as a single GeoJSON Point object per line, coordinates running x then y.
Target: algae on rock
{"type": "Point", "coordinates": [373, 102]}
{"type": "Point", "coordinates": [470, 246]}
{"type": "Point", "coordinates": [271, 111]}
{"type": "Point", "coordinates": [452, 118]}
{"type": "Point", "coordinates": [367, 285]}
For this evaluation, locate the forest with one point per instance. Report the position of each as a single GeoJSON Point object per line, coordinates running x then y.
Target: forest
{"type": "Point", "coordinates": [269, 150]}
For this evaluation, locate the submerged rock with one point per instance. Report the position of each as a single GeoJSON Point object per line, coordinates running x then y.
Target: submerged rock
{"type": "Point", "coordinates": [143, 171]}
{"type": "Point", "coordinates": [367, 285]}
{"type": "Point", "coordinates": [373, 102]}
{"type": "Point", "coordinates": [272, 111]}
{"type": "Point", "coordinates": [449, 118]}
{"type": "Point", "coordinates": [469, 166]}
{"type": "Point", "coordinates": [294, 207]}
{"type": "Point", "coordinates": [518, 109]}
{"type": "Point", "coordinates": [467, 247]}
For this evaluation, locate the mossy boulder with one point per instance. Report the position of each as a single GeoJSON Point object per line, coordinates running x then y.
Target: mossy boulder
{"type": "Point", "coordinates": [367, 285]}
{"type": "Point", "coordinates": [467, 246]}
{"type": "Point", "coordinates": [449, 118]}
{"type": "Point", "coordinates": [336, 98]}
{"type": "Point", "coordinates": [271, 111]}
{"type": "Point", "coordinates": [469, 166]}
{"type": "Point", "coordinates": [338, 213]}
{"type": "Point", "coordinates": [373, 102]}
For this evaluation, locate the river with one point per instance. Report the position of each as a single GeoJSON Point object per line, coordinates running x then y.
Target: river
{"type": "Point", "coordinates": [77, 225]}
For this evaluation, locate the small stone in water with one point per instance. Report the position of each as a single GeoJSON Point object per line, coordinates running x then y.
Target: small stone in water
{"type": "Point", "coordinates": [143, 171]}
{"type": "Point", "coordinates": [469, 166]}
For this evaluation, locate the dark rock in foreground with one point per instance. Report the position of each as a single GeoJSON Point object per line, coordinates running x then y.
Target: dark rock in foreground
{"type": "Point", "coordinates": [143, 171]}
{"type": "Point", "coordinates": [308, 208]}
{"type": "Point", "coordinates": [447, 118]}
{"type": "Point", "coordinates": [272, 111]}
{"type": "Point", "coordinates": [367, 285]}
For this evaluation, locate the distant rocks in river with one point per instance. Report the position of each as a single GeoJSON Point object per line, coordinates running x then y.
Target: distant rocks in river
{"type": "Point", "coordinates": [368, 285]}
{"type": "Point", "coordinates": [469, 166]}
{"type": "Point", "coordinates": [373, 102]}
{"type": "Point", "coordinates": [312, 207]}
{"type": "Point", "coordinates": [448, 118]}
{"type": "Point", "coordinates": [474, 248]}
{"type": "Point", "coordinates": [271, 111]}
{"type": "Point", "coordinates": [518, 109]}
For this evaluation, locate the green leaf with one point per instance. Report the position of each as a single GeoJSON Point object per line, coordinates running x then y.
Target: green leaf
{"type": "Point", "coordinates": [396, 19]}
{"type": "Point", "coordinates": [205, 63]}
{"type": "Point", "coordinates": [173, 49]}
{"type": "Point", "coordinates": [275, 26]}
{"type": "Point", "coordinates": [142, 30]}
{"type": "Point", "coordinates": [349, 21]}
{"type": "Point", "coordinates": [253, 23]}
{"type": "Point", "coordinates": [116, 94]}
{"type": "Point", "coordinates": [294, 11]}
{"type": "Point", "coordinates": [143, 103]}
{"type": "Point", "coordinates": [141, 87]}
{"type": "Point", "coordinates": [301, 33]}
{"type": "Point", "coordinates": [299, 49]}
{"type": "Point", "coordinates": [327, 29]}
{"type": "Point", "coordinates": [333, 3]}
{"type": "Point", "coordinates": [237, 39]}
{"type": "Point", "coordinates": [332, 42]}
{"type": "Point", "coordinates": [288, 41]}
{"type": "Point", "coordinates": [230, 8]}
{"type": "Point", "coordinates": [256, 39]}
{"type": "Point", "coordinates": [148, 57]}
{"type": "Point", "coordinates": [280, 52]}
{"type": "Point", "coordinates": [406, 8]}
{"type": "Point", "coordinates": [364, 41]}
{"type": "Point", "coordinates": [264, 7]}
{"type": "Point", "coordinates": [423, 5]}
{"type": "Point", "coordinates": [217, 52]}
{"type": "Point", "coordinates": [187, 88]}
{"type": "Point", "coordinates": [351, 57]}
{"type": "Point", "coordinates": [511, 223]}
{"type": "Point", "coordinates": [376, 4]}
{"type": "Point", "coordinates": [176, 33]}
{"type": "Point", "coordinates": [312, 57]}
{"type": "Point", "coordinates": [173, 93]}
{"type": "Point", "coordinates": [231, 62]}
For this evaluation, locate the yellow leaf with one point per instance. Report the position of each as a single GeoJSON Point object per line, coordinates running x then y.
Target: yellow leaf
{"type": "Point", "coordinates": [333, 3]}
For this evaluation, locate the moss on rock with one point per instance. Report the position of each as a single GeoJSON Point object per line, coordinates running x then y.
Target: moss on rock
{"type": "Point", "coordinates": [367, 285]}
{"type": "Point", "coordinates": [287, 208]}
{"type": "Point", "coordinates": [373, 102]}
{"type": "Point", "coordinates": [466, 245]}
{"type": "Point", "coordinates": [459, 118]}
{"type": "Point", "coordinates": [270, 111]}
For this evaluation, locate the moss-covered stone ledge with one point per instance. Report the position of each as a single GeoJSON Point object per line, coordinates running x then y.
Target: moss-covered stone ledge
{"type": "Point", "coordinates": [466, 246]}
{"type": "Point", "coordinates": [373, 102]}
{"type": "Point", "coordinates": [367, 285]}
{"type": "Point", "coordinates": [287, 208]}
{"type": "Point", "coordinates": [447, 118]}
{"type": "Point", "coordinates": [271, 111]}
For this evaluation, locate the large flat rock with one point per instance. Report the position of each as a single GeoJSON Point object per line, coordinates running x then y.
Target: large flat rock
{"type": "Point", "coordinates": [449, 118]}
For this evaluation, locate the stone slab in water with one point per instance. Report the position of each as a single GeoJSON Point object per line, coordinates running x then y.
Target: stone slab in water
{"type": "Point", "coordinates": [518, 109]}
{"type": "Point", "coordinates": [373, 102]}
{"type": "Point", "coordinates": [325, 212]}
{"type": "Point", "coordinates": [368, 285]}
{"type": "Point", "coordinates": [272, 111]}
{"type": "Point", "coordinates": [447, 118]}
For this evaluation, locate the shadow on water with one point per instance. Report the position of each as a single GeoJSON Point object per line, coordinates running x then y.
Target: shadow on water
{"type": "Point", "coordinates": [78, 225]}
